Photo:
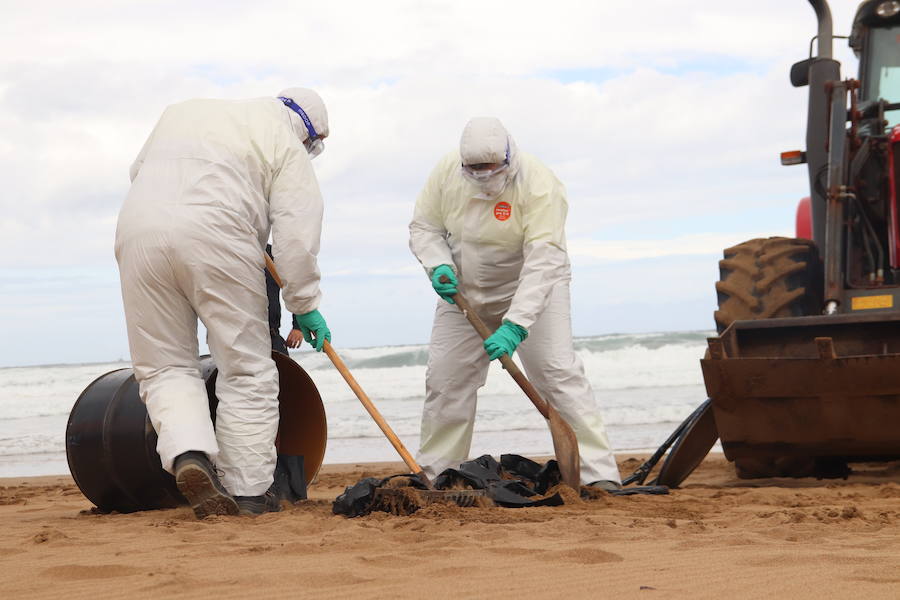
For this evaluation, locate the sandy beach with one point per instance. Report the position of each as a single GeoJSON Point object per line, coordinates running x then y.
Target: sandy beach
{"type": "Point", "coordinates": [716, 537]}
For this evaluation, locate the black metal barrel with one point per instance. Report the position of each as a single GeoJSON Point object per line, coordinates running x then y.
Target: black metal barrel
{"type": "Point", "coordinates": [111, 444]}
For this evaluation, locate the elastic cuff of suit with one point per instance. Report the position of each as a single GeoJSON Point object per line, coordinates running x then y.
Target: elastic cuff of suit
{"type": "Point", "coordinates": [523, 333]}
{"type": "Point", "coordinates": [431, 270]}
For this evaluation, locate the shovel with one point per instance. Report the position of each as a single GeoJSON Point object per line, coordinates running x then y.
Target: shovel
{"type": "Point", "coordinates": [461, 497]}
{"type": "Point", "coordinates": [565, 444]}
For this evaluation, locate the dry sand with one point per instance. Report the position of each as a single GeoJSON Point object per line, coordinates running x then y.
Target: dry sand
{"type": "Point", "coordinates": [718, 537]}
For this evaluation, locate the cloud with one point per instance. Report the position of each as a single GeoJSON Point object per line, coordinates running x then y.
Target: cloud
{"type": "Point", "coordinates": [663, 119]}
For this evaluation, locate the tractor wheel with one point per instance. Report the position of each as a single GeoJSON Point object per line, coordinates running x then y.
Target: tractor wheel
{"type": "Point", "coordinates": [767, 278]}
{"type": "Point", "coordinates": [764, 279]}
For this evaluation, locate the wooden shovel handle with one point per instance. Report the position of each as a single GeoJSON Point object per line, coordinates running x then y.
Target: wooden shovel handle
{"type": "Point", "coordinates": [506, 360]}
{"type": "Point", "coordinates": [373, 412]}
{"type": "Point", "coordinates": [270, 266]}
{"type": "Point", "coordinates": [363, 397]}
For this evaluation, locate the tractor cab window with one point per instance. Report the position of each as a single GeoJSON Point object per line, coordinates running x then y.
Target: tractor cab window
{"type": "Point", "coordinates": [883, 72]}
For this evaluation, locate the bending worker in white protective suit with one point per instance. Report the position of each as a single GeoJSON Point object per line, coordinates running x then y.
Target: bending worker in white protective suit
{"type": "Point", "coordinates": [212, 180]}
{"type": "Point", "coordinates": [492, 220]}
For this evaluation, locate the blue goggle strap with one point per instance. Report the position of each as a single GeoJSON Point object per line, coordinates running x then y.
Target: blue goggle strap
{"type": "Point", "coordinates": [289, 102]}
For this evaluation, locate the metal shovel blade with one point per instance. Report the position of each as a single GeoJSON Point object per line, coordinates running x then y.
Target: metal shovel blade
{"type": "Point", "coordinates": [565, 446]}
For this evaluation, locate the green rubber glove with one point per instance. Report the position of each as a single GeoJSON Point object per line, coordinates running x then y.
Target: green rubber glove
{"type": "Point", "coordinates": [444, 290]}
{"type": "Point", "coordinates": [505, 340]}
{"type": "Point", "coordinates": [313, 323]}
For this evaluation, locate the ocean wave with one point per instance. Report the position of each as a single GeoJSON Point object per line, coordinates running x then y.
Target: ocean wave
{"type": "Point", "coordinates": [408, 356]}
{"type": "Point", "coordinates": [644, 383]}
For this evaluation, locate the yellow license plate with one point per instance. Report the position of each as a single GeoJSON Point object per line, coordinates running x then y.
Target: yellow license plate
{"type": "Point", "coordinates": [867, 302]}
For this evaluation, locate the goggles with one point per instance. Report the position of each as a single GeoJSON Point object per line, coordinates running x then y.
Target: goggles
{"type": "Point", "coordinates": [484, 174]}
{"type": "Point", "coordinates": [484, 171]}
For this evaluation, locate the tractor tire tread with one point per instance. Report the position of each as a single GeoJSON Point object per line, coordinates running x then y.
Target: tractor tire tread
{"type": "Point", "coordinates": [774, 276]}
{"type": "Point", "coordinates": [767, 278]}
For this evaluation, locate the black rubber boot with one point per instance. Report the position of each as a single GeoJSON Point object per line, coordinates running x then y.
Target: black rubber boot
{"type": "Point", "coordinates": [197, 481]}
{"type": "Point", "coordinates": [257, 505]}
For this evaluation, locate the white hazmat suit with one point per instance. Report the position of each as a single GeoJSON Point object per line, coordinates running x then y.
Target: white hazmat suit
{"type": "Point", "coordinates": [210, 182]}
{"type": "Point", "coordinates": [504, 238]}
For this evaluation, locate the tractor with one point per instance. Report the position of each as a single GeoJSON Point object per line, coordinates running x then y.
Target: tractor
{"type": "Point", "coordinates": [804, 376]}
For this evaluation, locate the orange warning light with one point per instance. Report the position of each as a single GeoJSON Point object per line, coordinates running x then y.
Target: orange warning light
{"type": "Point", "coordinates": [793, 157]}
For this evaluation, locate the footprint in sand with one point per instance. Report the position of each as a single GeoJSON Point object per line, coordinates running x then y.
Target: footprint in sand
{"type": "Point", "coordinates": [586, 556]}
{"type": "Point", "coordinates": [48, 535]}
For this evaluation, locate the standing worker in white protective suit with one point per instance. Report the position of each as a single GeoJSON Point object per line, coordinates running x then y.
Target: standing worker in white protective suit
{"type": "Point", "coordinates": [492, 220]}
{"type": "Point", "coordinates": [212, 180]}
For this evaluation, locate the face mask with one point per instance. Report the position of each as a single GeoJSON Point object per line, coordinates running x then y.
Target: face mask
{"type": "Point", "coordinates": [495, 184]}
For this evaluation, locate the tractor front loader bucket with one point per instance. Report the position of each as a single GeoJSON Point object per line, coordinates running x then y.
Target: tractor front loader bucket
{"type": "Point", "coordinates": [824, 386]}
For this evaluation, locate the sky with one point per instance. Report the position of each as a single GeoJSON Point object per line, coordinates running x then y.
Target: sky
{"type": "Point", "coordinates": [664, 119]}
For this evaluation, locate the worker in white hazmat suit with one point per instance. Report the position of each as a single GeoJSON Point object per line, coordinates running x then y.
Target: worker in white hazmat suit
{"type": "Point", "coordinates": [492, 220]}
{"type": "Point", "coordinates": [211, 182]}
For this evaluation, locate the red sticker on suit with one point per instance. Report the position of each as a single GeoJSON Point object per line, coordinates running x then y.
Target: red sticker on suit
{"type": "Point", "coordinates": [502, 211]}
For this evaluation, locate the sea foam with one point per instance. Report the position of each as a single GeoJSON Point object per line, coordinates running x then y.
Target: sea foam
{"type": "Point", "coordinates": [644, 384]}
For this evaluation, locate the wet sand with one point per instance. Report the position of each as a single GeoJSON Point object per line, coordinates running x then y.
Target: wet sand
{"type": "Point", "coordinates": [716, 537]}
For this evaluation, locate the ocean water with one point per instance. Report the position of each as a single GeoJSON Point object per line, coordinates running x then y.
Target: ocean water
{"type": "Point", "coordinates": [645, 385]}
